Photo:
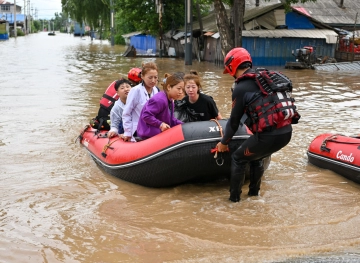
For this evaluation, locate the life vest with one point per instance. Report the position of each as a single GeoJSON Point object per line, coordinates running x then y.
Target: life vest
{"type": "Point", "coordinates": [109, 97]}
{"type": "Point", "coordinates": [102, 120]}
{"type": "Point", "coordinates": [272, 107]}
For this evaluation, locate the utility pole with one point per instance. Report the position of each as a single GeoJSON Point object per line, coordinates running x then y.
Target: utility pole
{"type": "Point", "coordinates": [15, 30]}
{"type": "Point", "coordinates": [25, 17]}
{"type": "Point", "coordinates": [112, 21]}
{"type": "Point", "coordinates": [159, 10]}
{"type": "Point", "coordinates": [353, 45]}
{"type": "Point", "coordinates": [188, 29]}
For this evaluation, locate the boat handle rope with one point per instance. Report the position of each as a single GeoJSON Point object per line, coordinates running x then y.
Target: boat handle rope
{"type": "Point", "coordinates": [108, 146]}
{"type": "Point", "coordinates": [218, 155]}
{"type": "Point", "coordinates": [332, 138]}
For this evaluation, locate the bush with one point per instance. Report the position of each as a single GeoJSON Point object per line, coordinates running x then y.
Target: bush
{"type": "Point", "coordinates": [119, 40]}
{"type": "Point", "coordinates": [19, 32]}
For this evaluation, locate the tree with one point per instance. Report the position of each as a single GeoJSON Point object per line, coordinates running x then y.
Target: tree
{"type": "Point", "coordinates": [230, 32]}
{"type": "Point", "coordinates": [89, 11]}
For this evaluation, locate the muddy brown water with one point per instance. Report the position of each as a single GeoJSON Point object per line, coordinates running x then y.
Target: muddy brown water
{"type": "Point", "coordinates": [58, 206]}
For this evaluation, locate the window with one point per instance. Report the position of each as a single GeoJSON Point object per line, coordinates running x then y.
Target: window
{"type": "Point", "coordinates": [5, 8]}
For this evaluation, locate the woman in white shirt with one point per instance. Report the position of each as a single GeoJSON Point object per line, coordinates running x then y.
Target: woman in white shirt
{"type": "Point", "coordinates": [137, 98]}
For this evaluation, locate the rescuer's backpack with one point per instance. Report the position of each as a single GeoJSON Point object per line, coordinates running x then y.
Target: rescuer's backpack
{"type": "Point", "coordinates": [272, 107]}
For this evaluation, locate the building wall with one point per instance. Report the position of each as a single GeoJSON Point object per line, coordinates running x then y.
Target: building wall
{"type": "Point", "coordinates": [4, 31]}
{"type": "Point", "coordinates": [144, 43]}
{"type": "Point", "coordinates": [277, 51]}
{"type": "Point", "coordinates": [269, 51]}
{"type": "Point", "coordinates": [9, 8]}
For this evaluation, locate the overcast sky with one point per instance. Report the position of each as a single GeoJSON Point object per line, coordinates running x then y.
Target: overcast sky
{"type": "Point", "coordinates": [45, 9]}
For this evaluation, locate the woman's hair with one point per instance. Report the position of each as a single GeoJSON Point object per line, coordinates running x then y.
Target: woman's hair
{"type": "Point", "coordinates": [171, 80]}
{"type": "Point", "coordinates": [193, 75]}
{"type": "Point", "coordinates": [146, 67]}
{"type": "Point", "coordinates": [121, 81]}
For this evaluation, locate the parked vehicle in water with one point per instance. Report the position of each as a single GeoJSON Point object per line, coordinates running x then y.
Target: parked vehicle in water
{"type": "Point", "coordinates": [306, 57]}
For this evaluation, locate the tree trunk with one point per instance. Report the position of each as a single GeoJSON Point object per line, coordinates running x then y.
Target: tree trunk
{"type": "Point", "coordinates": [241, 19]}
{"type": "Point", "coordinates": [238, 21]}
{"type": "Point", "coordinates": [223, 25]}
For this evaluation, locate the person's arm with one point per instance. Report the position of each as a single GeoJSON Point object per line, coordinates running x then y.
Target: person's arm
{"type": "Point", "coordinates": [219, 117]}
{"type": "Point", "coordinates": [152, 108]}
{"type": "Point", "coordinates": [237, 112]}
{"type": "Point", "coordinates": [213, 109]}
{"type": "Point", "coordinates": [115, 118]}
{"type": "Point", "coordinates": [174, 121]}
{"type": "Point", "coordinates": [131, 102]}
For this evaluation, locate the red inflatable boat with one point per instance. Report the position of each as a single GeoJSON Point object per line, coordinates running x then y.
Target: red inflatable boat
{"type": "Point", "coordinates": [338, 153]}
{"type": "Point", "coordinates": [179, 155]}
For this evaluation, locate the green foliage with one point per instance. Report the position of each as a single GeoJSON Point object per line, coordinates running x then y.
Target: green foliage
{"type": "Point", "coordinates": [119, 40]}
{"type": "Point", "coordinates": [89, 11]}
{"type": "Point", "coordinates": [37, 25]}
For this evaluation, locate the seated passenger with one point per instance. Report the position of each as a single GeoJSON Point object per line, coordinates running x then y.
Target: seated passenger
{"type": "Point", "coordinates": [198, 106]}
{"type": "Point", "coordinates": [122, 88]}
{"type": "Point", "coordinates": [101, 121]}
{"type": "Point", "coordinates": [157, 114]}
{"type": "Point", "coordinates": [137, 98]}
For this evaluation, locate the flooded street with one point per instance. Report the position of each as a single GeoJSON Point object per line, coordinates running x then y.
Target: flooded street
{"type": "Point", "coordinates": [58, 206]}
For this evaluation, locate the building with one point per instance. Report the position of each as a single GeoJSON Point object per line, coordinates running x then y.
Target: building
{"type": "Point", "coordinates": [4, 30]}
{"type": "Point", "coordinates": [7, 14]}
{"type": "Point", "coordinates": [269, 34]}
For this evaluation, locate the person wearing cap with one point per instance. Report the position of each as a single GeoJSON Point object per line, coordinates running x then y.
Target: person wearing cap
{"type": "Point", "coordinates": [237, 63]}
{"type": "Point", "coordinates": [134, 76]}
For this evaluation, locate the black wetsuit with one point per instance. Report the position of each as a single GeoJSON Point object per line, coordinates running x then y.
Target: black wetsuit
{"type": "Point", "coordinates": [256, 147]}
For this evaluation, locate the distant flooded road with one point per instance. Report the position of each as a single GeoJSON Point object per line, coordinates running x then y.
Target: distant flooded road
{"type": "Point", "coordinates": [58, 206]}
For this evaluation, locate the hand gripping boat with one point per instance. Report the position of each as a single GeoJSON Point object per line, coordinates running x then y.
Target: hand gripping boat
{"type": "Point", "coordinates": [338, 153]}
{"type": "Point", "coordinates": [179, 155]}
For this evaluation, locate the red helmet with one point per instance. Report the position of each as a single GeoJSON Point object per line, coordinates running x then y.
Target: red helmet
{"type": "Point", "coordinates": [235, 58]}
{"type": "Point", "coordinates": [135, 75]}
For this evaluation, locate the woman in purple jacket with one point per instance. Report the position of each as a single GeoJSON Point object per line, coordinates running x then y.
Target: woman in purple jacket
{"type": "Point", "coordinates": [157, 114]}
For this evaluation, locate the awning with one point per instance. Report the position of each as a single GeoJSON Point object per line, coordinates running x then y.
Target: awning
{"type": "Point", "coordinates": [329, 35]}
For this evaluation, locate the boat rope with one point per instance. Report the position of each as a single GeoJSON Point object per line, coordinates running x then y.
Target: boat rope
{"type": "Point", "coordinates": [108, 146]}
{"type": "Point", "coordinates": [218, 156]}
{"type": "Point", "coordinates": [332, 138]}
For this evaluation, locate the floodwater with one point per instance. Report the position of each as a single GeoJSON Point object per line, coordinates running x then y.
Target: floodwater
{"type": "Point", "coordinates": [58, 206]}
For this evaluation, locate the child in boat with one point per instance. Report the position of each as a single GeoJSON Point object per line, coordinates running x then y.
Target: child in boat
{"type": "Point", "coordinates": [157, 114]}
{"type": "Point", "coordinates": [122, 88]}
{"type": "Point", "coordinates": [137, 98]}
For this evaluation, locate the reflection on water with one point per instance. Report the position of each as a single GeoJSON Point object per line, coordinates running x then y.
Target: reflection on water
{"type": "Point", "coordinates": [58, 206]}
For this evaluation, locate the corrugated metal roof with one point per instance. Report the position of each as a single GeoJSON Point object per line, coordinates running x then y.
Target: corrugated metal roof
{"type": "Point", "coordinates": [343, 66]}
{"type": "Point", "coordinates": [131, 34]}
{"type": "Point", "coordinates": [258, 11]}
{"type": "Point", "coordinates": [209, 21]}
{"type": "Point", "coordinates": [178, 35]}
{"type": "Point", "coordinates": [252, 3]}
{"type": "Point", "coordinates": [329, 35]}
{"type": "Point", "coordinates": [329, 12]}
